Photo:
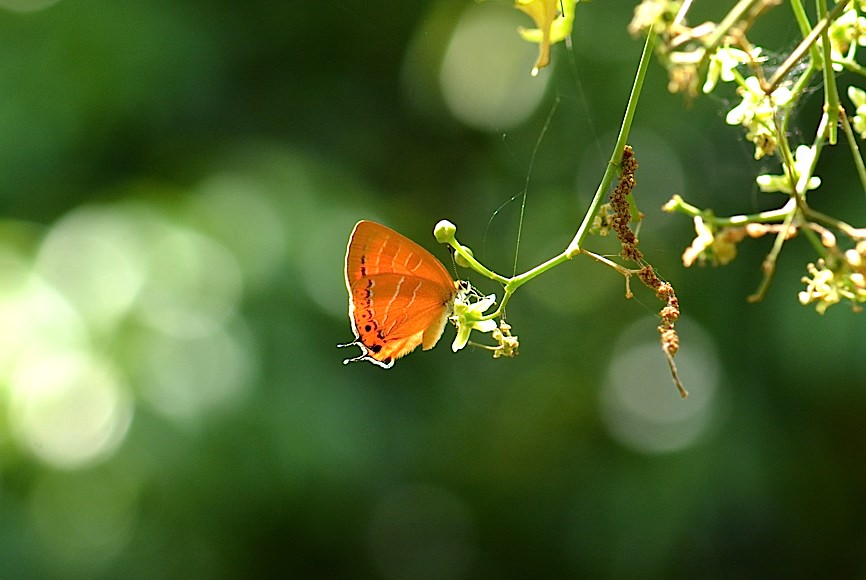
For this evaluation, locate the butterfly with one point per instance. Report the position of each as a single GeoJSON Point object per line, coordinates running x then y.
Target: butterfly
{"type": "Point", "coordinates": [400, 296]}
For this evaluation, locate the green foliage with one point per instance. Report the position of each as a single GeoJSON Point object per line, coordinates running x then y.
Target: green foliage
{"type": "Point", "coordinates": [178, 180]}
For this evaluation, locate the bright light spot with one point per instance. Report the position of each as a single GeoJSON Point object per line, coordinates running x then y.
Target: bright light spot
{"type": "Point", "coordinates": [485, 72]}
{"type": "Point", "coordinates": [185, 377]}
{"type": "Point", "coordinates": [26, 5]}
{"type": "Point", "coordinates": [95, 257]}
{"type": "Point", "coordinates": [640, 405]}
{"type": "Point", "coordinates": [193, 283]}
{"type": "Point", "coordinates": [82, 519]}
{"type": "Point", "coordinates": [421, 532]}
{"type": "Point", "coordinates": [68, 409]}
{"type": "Point", "coordinates": [34, 318]}
{"type": "Point", "coordinates": [236, 210]}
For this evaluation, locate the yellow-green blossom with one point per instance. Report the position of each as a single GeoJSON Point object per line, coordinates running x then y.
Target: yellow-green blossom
{"type": "Point", "coordinates": [826, 287]}
{"type": "Point", "coordinates": [846, 280]}
{"type": "Point", "coordinates": [858, 97]}
{"type": "Point", "coordinates": [704, 239]}
{"type": "Point", "coordinates": [718, 247]}
{"type": "Point", "coordinates": [723, 64]}
{"type": "Point", "coordinates": [820, 288]}
{"type": "Point", "coordinates": [756, 111]}
{"type": "Point", "coordinates": [845, 32]}
{"type": "Point", "coordinates": [803, 158]}
{"type": "Point", "coordinates": [655, 15]}
{"type": "Point", "coordinates": [508, 343]}
{"type": "Point", "coordinates": [552, 25]}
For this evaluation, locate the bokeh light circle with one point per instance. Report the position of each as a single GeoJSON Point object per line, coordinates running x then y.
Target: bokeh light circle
{"type": "Point", "coordinates": [70, 408]}
{"type": "Point", "coordinates": [237, 210]}
{"type": "Point", "coordinates": [640, 406]}
{"type": "Point", "coordinates": [485, 75]}
{"type": "Point", "coordinates": [95, 257]}
{"type": "Point", "coordinates": [34, 317]}
{"type": "Point", "coordinates": [185, 377]}
{"type": "Point", "coordinates": [193, 283]}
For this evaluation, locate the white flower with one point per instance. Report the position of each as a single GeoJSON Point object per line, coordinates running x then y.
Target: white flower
{"type": "Point", "coordinates": [803, 158]}
{"type": "Point", "coordinates": [704, 239]}
{"type": "Point", "coordinates": [468, 317]}
{"type": "Point", "coordinates": [724, 61]}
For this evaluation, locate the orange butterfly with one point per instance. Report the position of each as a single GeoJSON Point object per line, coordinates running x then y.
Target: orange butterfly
{"type": "Point", "coordinates": [400, 296]}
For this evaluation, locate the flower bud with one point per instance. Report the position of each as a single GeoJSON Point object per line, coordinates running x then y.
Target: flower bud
{"type": "Point", "coordinates": [444, 231]}
{"type": "Point", "coordinates": [461, 261]}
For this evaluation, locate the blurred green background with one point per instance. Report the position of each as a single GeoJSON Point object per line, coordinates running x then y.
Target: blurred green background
{"type": "Point", "coordinates": [178, 181]}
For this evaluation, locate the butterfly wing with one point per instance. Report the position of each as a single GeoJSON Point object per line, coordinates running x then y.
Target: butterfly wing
{"type": "Point", "coordinates": [392, 314]}
{"type": "Point", "coordinates": [376, 249]}
{"type": "Point", "coordinates": [400, 296]}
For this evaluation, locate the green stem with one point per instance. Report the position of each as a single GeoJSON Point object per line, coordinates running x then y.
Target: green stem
{"type": "Point", "coordinates": [805, 26]}
{"type": "Point", "coordinates": [732, 19]}
{"type": "Point", "coordinates": [805, 45]}
{"type": "Point", "coordinates": [519, 280]}
{"type": "Point", "coordinates": [613, 165]}
{"type": "Point", "coordinates": [771, 259]}
{"type": "Point", "coordinates": [574, 248]}
{"type": "Point", "coordinates": [764, 217]}
{"type": "Point", "coordinates": [464, 253]}
{"type": "Point", "coordinates": [845, 228]}
{"type": "Point", "coordinates": [853, 67]}
{"type": "Point", "coordinates": [831, 93]}
{"type": "Point", "coordinates": [813, 239]}
{"type": "Point", "coordinates": [512, 284]}
{"type": "Point", "coordinates": [855, 150]}
{"type": "Point", "coordinates": [802, 18]}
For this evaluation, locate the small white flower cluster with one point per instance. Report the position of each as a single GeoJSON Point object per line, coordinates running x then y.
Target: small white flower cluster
{"type": "Point", "coordinates": [827, 286]}
{"type": "Point", "coordinates": [469, 315]}
{"type": "Point", "coordinates": [469, 309]}
{"type": "Point", "coordinates": [756, 112]}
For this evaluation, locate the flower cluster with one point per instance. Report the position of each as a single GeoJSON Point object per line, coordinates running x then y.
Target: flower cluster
{"type": "Point", "coordinates": [718, 248]}
{"type": "Point", "coordinates": [827, 285]}
{"type": "Point", "coordinates": [469, 309]}
{"type": "Point", "coordinates": [469, 315]}
{"type": "Point", "coordinates": [507, 344]}
{"type": "Point", "coordinates": [846, 33]}
{"type": "Point", "coordinates": [655, 15]}
{"type": "Point", "coordinates": [756, 113]}
{"type": "Point", "coordinates": [680, 48]}
{"type": "Point", "coordinates": [724, 63]}
{"type": "Point", "coordinates": [709, 54]}
{"type": "Point", "coordinates": [603, 220]}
